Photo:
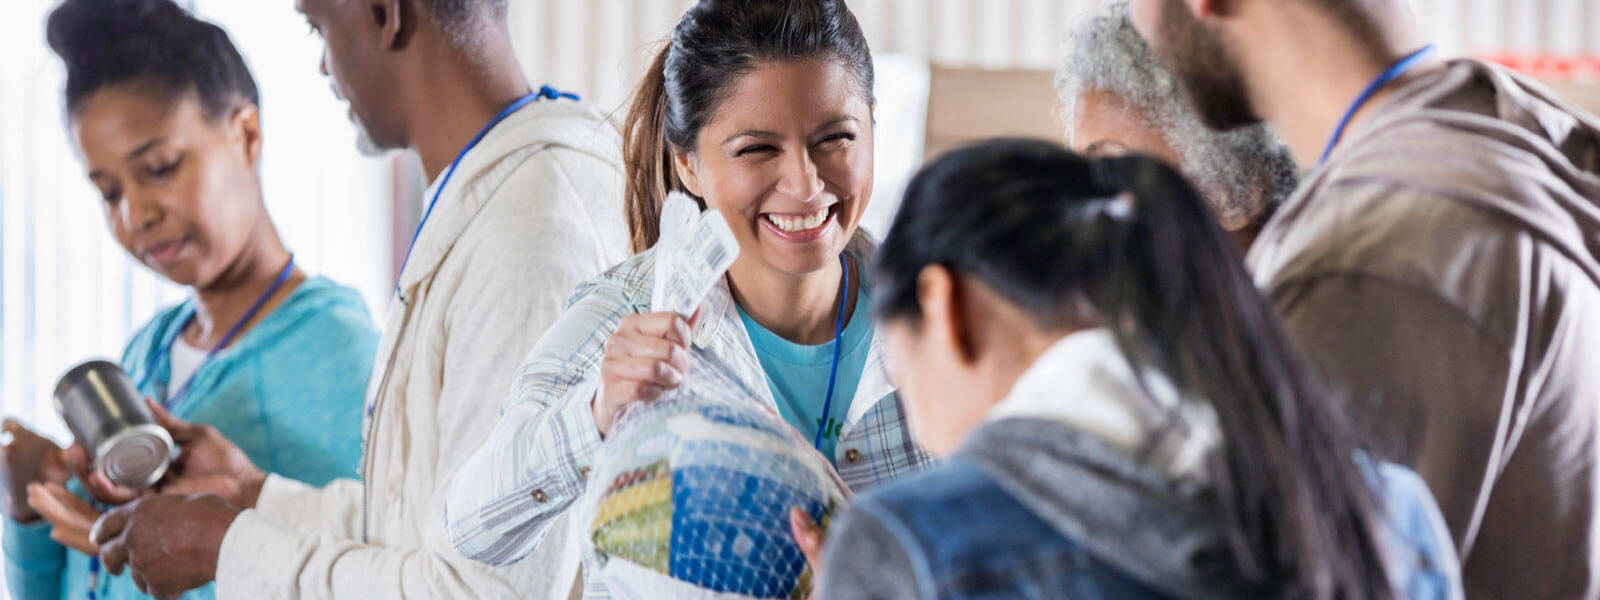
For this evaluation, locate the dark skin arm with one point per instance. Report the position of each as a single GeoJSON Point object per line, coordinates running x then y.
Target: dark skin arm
{"type": "Point", "coordinates": [170, 543]}
{"type": "Point", "coordinates": [70, 517]}
{"type": "Point", "coordinates": [208, 463]}
{"type": "Point", "coordinates": [26, 458]}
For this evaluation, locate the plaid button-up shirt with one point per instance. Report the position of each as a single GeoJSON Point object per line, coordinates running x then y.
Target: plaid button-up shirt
{"type": "Point", "coordinates": [535, 463]}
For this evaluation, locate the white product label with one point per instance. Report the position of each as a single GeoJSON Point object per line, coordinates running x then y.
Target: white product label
{"type": "Point", "coordinates": [694, 251]}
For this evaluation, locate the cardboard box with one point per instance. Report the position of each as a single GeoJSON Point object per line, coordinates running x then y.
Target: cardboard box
{"type": "Point", "coordinates": [969, 104]}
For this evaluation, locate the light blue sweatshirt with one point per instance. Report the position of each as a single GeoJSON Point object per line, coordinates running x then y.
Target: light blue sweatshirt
{"type": "Point", "coordinates": [288, 392]}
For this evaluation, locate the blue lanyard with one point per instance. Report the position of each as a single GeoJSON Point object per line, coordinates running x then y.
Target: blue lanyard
{"type": "Point", "coordinates": [1394, 72]}
{"type": "Point", "coordinates": [545, 92]}
{"type": "Point", "coordinates": [838, 345]}
{"type": "Point", "coordinates": [172, 338]}
{"type": "Point", "coordinates": [94, 576]}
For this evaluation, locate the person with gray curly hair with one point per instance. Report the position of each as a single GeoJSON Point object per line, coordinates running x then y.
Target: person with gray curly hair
{"type": "Point", "coordinates": [1116, 97]}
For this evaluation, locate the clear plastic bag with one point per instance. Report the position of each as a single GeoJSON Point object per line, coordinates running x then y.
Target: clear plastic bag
{"type": "Point", "coordinates": [691, 495]}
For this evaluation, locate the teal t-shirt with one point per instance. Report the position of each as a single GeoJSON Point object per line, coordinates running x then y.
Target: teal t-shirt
{"type": "Point", "coordinates": [798, 375]}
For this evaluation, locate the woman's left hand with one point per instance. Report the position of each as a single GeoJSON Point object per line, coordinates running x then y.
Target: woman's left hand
{"type": "Point", "coordinates": [809, 537]}
{"type": "Point", "coordinates": [70, 517]}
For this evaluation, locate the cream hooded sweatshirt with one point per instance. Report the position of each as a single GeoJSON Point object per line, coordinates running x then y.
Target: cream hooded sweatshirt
{"type": "Point", "coordinates": [532, 211]}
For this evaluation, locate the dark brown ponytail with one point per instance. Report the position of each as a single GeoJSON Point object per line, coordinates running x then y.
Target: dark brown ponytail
{"type": "Point", "coordinates": [648, 157]}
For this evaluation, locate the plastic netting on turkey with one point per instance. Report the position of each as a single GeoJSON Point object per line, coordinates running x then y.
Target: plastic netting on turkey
{"type": "Point", "coordinates": [693, 492]}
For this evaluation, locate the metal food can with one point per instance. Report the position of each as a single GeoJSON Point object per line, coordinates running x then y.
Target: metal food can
{"type": "Point", "coordinates": [108, 417]}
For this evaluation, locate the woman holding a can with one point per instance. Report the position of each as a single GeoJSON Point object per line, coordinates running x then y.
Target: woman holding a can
{"type": "Point", "coordinates": [165, 116]}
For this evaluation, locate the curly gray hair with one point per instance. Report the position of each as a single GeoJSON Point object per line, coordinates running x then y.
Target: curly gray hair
{"type": "Point", "coordinates": [1245, 173]}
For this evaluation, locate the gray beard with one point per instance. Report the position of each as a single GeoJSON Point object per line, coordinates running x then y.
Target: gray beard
{"type": "Point", "coordinates": [365, 145]}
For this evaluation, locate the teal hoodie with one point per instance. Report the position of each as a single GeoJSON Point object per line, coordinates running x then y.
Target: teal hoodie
{"type": "Point", "coordinates": [289, 393]}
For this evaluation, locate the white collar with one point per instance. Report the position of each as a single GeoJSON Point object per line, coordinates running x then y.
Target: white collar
{"type": "Point", "coordinates": [1084, 381]}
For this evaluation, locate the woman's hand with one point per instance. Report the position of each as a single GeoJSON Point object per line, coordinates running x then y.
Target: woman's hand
{"type": "Point", "coordinates": [208, 463]}
{"type": "Point", "coordinates": [70, 517]}
{"type": "Point", "coordinates": [100, 486]}
{"type": "Point", "coordinates": [27, 458]}
{"type": "Point", "coordinates": [648, 355]}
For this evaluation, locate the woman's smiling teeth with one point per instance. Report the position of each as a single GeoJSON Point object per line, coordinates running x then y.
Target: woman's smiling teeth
{"type": "Point", "coordinates": [798, 223]}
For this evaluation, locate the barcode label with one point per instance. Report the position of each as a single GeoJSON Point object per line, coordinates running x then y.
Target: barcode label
{"type": "Point", "coordinates": [715, 256]}
{"type": "Point", "coordinates": [694, 251]}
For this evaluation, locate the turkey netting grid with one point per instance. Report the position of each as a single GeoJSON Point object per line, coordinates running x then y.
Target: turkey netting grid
{"type": "Point", "coordinates": [696, 487]}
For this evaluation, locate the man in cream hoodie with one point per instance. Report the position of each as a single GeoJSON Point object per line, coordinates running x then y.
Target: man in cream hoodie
{"type": "Point", "coordinates": [521, 217]}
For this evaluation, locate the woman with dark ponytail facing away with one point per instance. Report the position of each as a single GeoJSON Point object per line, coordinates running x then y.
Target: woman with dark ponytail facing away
{"type": "Point", "coordinates": [1120, 413]}
{"type": "Point", "coordinates": [763, 111]}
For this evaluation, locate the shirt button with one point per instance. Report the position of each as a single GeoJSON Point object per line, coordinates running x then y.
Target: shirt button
{"type": "Point", "coordinates": [583, 473]}
{"type": "Point", "coordinates": [852, 456]}
{"type": "Point", "coordinates": [539, 496]}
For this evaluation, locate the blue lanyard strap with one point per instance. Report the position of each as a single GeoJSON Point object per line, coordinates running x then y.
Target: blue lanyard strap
{"type": "Point", "coordinates": [1392, 73]}
{"type": "Point", "coordinates": [172, 338]}
{"type": "Point", "coordinates": [545, 92]}
{"type": "Point", "coordinates": [94, 576]}
{"type": "Point", "coordinates": [838, 345]}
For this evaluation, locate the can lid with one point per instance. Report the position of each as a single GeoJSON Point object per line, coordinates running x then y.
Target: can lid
{"type": "Point", "coordinates": [136, 458]}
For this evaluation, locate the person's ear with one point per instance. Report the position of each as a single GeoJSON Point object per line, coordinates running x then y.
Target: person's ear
{"type": "Point", "coordinates": [944, 317]}
{"type": "Point", "coordinates": [688, 170]}
{"type": "Point", "coordinates": [246, 126]}
{"type": "Point", "coordinates": [389, 17]}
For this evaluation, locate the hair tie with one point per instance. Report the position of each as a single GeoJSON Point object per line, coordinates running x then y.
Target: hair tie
{"type": "Point", "coordinates": [1108, 174]}
{"type": "Point", "coordinates": [1116, 208]}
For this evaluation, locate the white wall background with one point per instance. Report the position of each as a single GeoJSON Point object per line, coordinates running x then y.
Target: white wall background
{"type": "Point", "coordinates": [601, 46]}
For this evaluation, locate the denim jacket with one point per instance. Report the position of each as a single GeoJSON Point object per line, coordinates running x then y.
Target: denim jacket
{"type": "Point", "coordinates": [1047, 500]}
{"type": "Point", "coordinates": [961, 531]}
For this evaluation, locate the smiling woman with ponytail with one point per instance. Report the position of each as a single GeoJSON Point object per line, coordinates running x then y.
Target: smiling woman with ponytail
{"type": "Point", "coordinates": [1121, 414]}
{"type": "Point", "coordinates": [761, 110]}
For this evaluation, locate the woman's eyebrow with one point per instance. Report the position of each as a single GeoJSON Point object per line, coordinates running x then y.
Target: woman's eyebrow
{"type": "Point", "coordinates": [836, 121]}
{"type": "Point", "coordinates": [755, 133]}
{"type": "Point", "coordinates": [764, 134]}
{"type": "Point", "coordinates": [143, 148]}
